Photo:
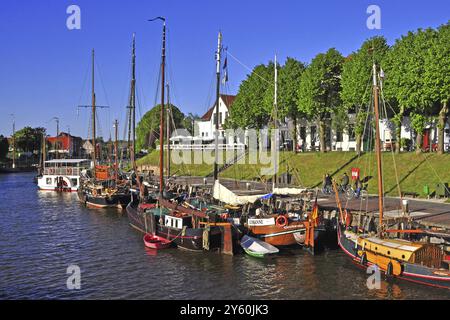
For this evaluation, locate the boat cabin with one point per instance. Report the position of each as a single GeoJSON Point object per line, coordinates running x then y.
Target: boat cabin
{"type": "Point", "coordinates": [63, 174]}
{"type": "Point", "coordinates": [178, 222]}
{"type": "Point", "coordinates": [66, 167]}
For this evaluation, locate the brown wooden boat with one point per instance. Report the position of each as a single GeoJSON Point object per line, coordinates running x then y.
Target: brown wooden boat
{"type": "Point", "coordinates": [277, 230]}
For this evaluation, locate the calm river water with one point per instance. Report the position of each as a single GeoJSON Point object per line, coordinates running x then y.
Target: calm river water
{"type": "Point", "coordinates": [41, 234]}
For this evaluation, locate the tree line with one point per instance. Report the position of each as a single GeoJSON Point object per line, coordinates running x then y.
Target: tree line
{"type": "Point", "coordinates": [26, 140]}
{"type": "Point", "coordinates": [416, 83]}
{"type": "Point", "coordinates": [147, 130]}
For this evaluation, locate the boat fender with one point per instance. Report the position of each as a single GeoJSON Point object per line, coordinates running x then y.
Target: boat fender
{"type": "Point", "coordinates": [363, 259]}
{"type": "Point", "coordinates": [389, 269]}
{"type": "Point", "coordinates": [281, 221]}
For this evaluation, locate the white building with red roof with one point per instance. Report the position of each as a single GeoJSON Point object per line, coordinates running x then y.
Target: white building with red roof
{"type": "Point", "coordinates": [207, 124]}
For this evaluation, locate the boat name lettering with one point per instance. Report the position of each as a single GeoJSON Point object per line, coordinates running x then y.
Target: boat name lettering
{"type": "Point", "coordinates": [261, 222]}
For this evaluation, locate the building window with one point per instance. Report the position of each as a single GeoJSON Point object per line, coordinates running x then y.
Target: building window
{"type": "Point", "coordinates": [339, 136]}
{"type": "Point", "coordinates": [220, 118]}
{"type": "Point", "coordinates": [215, 117]}
{"type": "Point", "coordinates": [203, 134]}
{"type": "Point", "coordinates": [351, 133]}
{"type": "Point", "coordinates": [226, 116]}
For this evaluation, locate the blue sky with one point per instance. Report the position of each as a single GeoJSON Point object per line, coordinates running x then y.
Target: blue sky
{"type": "Point", "coordinates": [43, 65]}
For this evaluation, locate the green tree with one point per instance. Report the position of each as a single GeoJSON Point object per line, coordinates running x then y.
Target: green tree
{"type": "Point", "coordinates": [4, 147]}
{"type": "Point", "coordinates": [29, 139]}
{"type": "Point", "coordinates": [357, 81]}
{"type": "Point", "coordinates": [418, 123]}
{"type": "Point", "coordinates": [405, 75]}
{"type": "Point", "coordinates": [147, 130]}
{"type": "Point", "coordinates": [253, 107]}
{"type": "Point", "coordinates": [189, 123]}
{"type": "Point", "coordinates": [289, 82]}
{"type": "Point", "coordinates": [437, 77]}
{"type": "Point", "coordinates": [319, 90]}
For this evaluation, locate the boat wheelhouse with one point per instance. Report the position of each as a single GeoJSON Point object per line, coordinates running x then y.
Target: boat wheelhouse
{"type": "Point", "coordinates": [62, 175]}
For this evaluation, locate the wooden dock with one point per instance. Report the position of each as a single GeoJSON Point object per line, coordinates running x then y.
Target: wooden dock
{"type": "Point", "coordinates": [429, 213]}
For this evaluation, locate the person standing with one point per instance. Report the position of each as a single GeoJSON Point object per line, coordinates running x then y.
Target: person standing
{"type": "Point", "coordinates": [345, 181]}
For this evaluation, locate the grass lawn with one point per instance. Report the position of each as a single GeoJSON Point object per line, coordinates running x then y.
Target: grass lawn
{"type": "Point", "coordinates": [413, 171]}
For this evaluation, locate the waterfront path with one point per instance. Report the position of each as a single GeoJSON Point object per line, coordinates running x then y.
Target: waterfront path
{"type": "Point", "coordinates": [430, 213]}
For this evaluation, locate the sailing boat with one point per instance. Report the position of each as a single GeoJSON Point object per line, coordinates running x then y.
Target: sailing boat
{"type": "Point", "coordinates": [416, 261]}
{"type": "Point", "coordinates": [279, 228]}
{"type": "Point", "coordinates": [104, 189]}
{"type": "Point", "coordinates": [172, 218]}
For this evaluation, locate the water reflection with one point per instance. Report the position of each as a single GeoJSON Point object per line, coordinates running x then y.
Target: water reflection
{"type": "Point", "coordinates": [42, 233]}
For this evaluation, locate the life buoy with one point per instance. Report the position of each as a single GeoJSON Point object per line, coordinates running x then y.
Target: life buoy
{"type": "Point", "coordinates": [281, 221]}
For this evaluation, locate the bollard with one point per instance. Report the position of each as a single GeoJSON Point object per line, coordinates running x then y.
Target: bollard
{"type": "Point", "coordinates": [406, 207]}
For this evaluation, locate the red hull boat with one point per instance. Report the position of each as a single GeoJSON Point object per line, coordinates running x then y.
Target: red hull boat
{"type": "Point", "coordinates": [155, 242]}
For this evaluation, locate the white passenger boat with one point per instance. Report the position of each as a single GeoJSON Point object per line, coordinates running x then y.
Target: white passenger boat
{"type": "Point", "coordinates": [62, 175]}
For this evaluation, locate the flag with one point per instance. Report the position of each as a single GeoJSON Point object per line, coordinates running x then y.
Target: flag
{"type": "Point", "coordinates": [315, 212]}
{"type": "Point", "coordinates": [225, 67]}
{"type": "Point", "coordinates": [225, 78]}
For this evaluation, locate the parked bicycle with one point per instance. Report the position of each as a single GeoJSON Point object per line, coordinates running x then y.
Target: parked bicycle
{"type": "Point", "coordinates": [348, 191]}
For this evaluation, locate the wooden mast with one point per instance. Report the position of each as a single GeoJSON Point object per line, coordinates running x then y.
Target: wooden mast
{"type": "Point", "coordinates": [14, 143]}
{"type": "Point", "coordinates": [378, 148]}
{"type": "Point", "coordinates": [43, 150]}
{"type": "Point", "coordinates": [216, 159]}
{"type": "Point", "coordinates": [94, 145]}
{"type": "Point", "coordinates": [57, 136]}
{"type": "Point", "coordinates": [168, 133]}
{"type": "Point", "coordinates": [275, 134]}
{"type": "Point", "coordinates": [161, 126]}
{"type": "Point", "coordinates": [133, 100]}
{"type": "Point", "coordinates": [116, 149]}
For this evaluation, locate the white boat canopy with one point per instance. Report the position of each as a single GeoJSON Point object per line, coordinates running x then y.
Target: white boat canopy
{"type": "Point", "coordinates": [227, 196]}
{"type": "Point", "coordinates": [289, 191]}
